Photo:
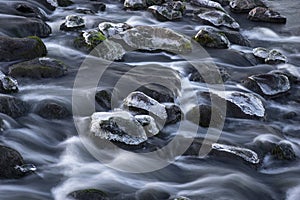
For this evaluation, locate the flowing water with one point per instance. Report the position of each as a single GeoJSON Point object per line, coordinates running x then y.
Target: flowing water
{"type": "Point", "coordinates": [65, 165]}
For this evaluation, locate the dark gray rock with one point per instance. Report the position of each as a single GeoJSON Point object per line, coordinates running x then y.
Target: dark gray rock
{"type": "Point", "coordinates": [283, 151]}
{"type": "Point", "coordinates": [64, 3]}
{"type": "Point", "coordinates": [158, 92]}
{"type": "Point", "coordinates": [21, 48]}
{"type": "Point", "coordinates": [12, 106]}
{"type": "Point", "coordinates": [245, 5]}
{"type": "Point", "coordinates": [154, 2]}
{"type": "Point", "coordinates": [50, 109]}
{"type": "Point", "coordinates": [212, 39]}
{"type": "Point", "coordinates": [174, 114]}
{"type": "Point", "coordinates": [9, 159]}
{"type": "Point", "coordinates": [28, 10]}
{"type": "Point", "coordinates": [263, 14]}
{"type": "Point", "coordinates": [88, 194]}
{"type": "Point", "coordinates": [165, 13]}
{"type": "Point", "coordinates": [269, 56]}
{"type": "Point", "coordinates": [39, 68]}
{"type": "Point", "coordinates": [8, 84]}
{"type": "Point", "coordinates": [208, 4]}
{"type": "Point", "coordinates": [208, 73]}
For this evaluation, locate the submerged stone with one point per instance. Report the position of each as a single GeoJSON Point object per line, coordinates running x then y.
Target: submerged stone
{"type": "Point", "coordinates": [284, 151]}
{"type": "Point", "coordinates": [246, 154]}
{"type": "Point", "coordinates": [72, 22]}
{"type": "Point", "coordinates": [266, 15]}
{"type": "Point", "coordinates": [269, 84]}
{"type": "Point", "coordinates": [164, 13]}
{"type": "Point", "coordinates": [12, 106]}
{"type": "Point", "coordinates": [218, 18]}
{"type": "Point", "coordinates": [212, 39]}
{"type": "Point", "coordinates": [118, 126]}
{"type": "Point", "coordinates": [156, 38]}
{"type": "Point", "coordinates": [148, 123]}
{"type": "Point", "coordinates": [39, 68]}
{"type": "Point", "coordinates": [143, 103]}
{"type": "Point", "coordinates": [208, 4]}
{"type": "Point", "coordinates": [135, 4]}
{"type": "Point", "coordinates": [248, 103]}
{"type": "Point", "coordinates": [8, 84]}
{"type": "Point", "coordinates": [109, 29]}
{"type": "Point", "coordinates": [50, 109]}
{"type": "Point", "coordinates": [245, 5]}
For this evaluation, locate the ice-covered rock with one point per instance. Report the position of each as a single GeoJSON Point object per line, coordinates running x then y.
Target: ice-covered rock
{"type": "Point", "coordinates": [109, 29]}
{"type": "Point", "coordinates": [8, 84]}
{"type": "Point", "coordinates": [212, 39]}
{"type": "Point", "coordinates": [269, 56]}
{"type": "Point", "coordinates": [244, 5]}
{"type": "Point", "coordinates": [148, 123]}
{"type": "Point", "coordinates": [118, 126]}
{"type": "Point", "coordinates": [73, 22]}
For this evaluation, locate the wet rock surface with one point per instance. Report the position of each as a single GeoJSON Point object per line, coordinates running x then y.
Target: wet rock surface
{"type": "Point", "coordinates": [8, 84]}
{"type": "Point", "coordinates": [135, 4]}
{"type": "Point", "coordinates": [212, 39]}
{"type": "Point", "coordinates": [88, 194]}
{"type": "Point", "coordinates": [245, 5]}
{"type": "Point", "coordinates": [52, 110]}
{"type": "Point", "coordinates": [266, 15]}
{"type": "Point", "coordinates": [269, 56]}
{"type": "Point", "coordinates": [110, 29]}
{"type": "Point", "coordinates": [9, 159]}
{"type": "Point", "coordinates": [39, 68]}
{"type": "Point", "coordinates": [12, 106]}
{"type": "Point", "coordinates": [73, 22]}
{"type": "Point", "coordinates": [207, 4]}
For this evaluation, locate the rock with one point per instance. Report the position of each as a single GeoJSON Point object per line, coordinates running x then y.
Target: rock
{"type": "Point", "coordinates": [269, 56]}
{"type": "Point", "coordinates": [64, 3]}
{"type": "Point", "coordinates": [2, 125]}
{"type": "Point", "coordinates": [9, 159]}
{"type": "Point", "coordinates": [154, 2]}
{"type": "Point", "coordinates": [268, 84]}
{"type": "Point", "coordinates": [158, 92]}
{"type": "Point", "coordinates": [99, 6]}
{"type": "Point", "coordinates": [89, 194]}
{"type": "Point", "coordinates": [8, 84]}
{"type": "Point", "coordinates": [142, 103]}
{"type": "Point", "coordinates": [266, 15]}
{"type": "Point", "coordinates": [148, 123]}
{"type": "Point", "coordinates": [152, 193]}
{"type": "Point", "coordinates": [72, 22]}
{"type": "Point", "coordinates": [164, 13]}
{"type": "Point", "coordinates": [17, 26]}
{"type": "Point", "coordinates": [109, 50]}
{"type": "Point", "coordinates": [39, 68]}
{"type": "Point", "coordinates": [209, 38]}
{"type": "Point", "coordinates": [50, 109]}
{"type": "Point", "coordinates": [284, 151]}
{"type": "Point", "coordinates": [103, 98]}
{"type": "Point", "coordinates": [85, 11]}
{"type": "Point", "coordinates": [245, 5]}
{"type": "Point", "coordinates": [49, 4]}
{"type": "Point", "coordinates": [26, 168]}
{"type": "Point", "coordinates": [156, 38]}
{"type": "Point", "coordinates": [202, 115]}
{"type": "Point", "coordinates": [174, 114]}
{"type": "Point", "coordinates": [89, 39]}
{"type": "Point", "coordinates": [249, 104]}
{"type": "Point", "coordinates": [217, 18]}
{"type": "Point", "coordinates": [246, 154]}
{"type": "Point", "coordinates": [110, 29]}
{"type": "Point", "coordinates": [135, 4]}
{"type": "Point", "coordinates": [118, 126]}
{"type": "Point", "coordinates": [28, 10]}
{"type": "Point", "coordinates": [207, 4]}
{"type": "Point", "coordinates": [235, 37]}
{"type": "Point", "coordinates": [223, 2]}
{"type": "Point", "coordinates": [12, 49]}
{"type": "Point", "coordinates": [12, 106]}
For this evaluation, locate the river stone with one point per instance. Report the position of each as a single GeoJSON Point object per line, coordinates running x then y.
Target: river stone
{"type": "Point", "coordinates": [158, 92]}
{"type": "Point", "coordinates": [152, 193]}
{"type": "Point", "coordinates": [8, 84]}
{"type": "Point", "coordinates": [269, 56]}
{"type": "Point", "coordinates": [2, 125]}
{"type": "Point", "coordinates": [268, 84]}
{"type": "Point", "coordinates": [50, 109]}
{"type": "Point", "coordinates": [135, 4]}
{"type": "Point", "coordinates": [246, 154]}
{"type": "Point", "coordinates": [266, 15]}
{"type": "Point", "coordinates": [28, 10]}
{"type": "Point", "coordinates": [222, 2]}
{"type": "Point", "coordinates": [154, 2]}
{"type": "Point", "coordinates": [64, 3]}
{"type": "Point", "coordinates": [109, 50]}
{"type": "Point", "coordinates": [217, 18]}
{"type": "Point", "coordinates": [148, 124]}
{"type": "Point", "coordinates": [202, 115]}
{"type": "Point", "coordinates": [174, 113]}
{"type": "Point", "coordinates": [103, 98]}
{"type": "Point", "coordinates": [12, 106]}
{"type": "Point", "coordinates": [249, 104]}
{"type": "Point", "coordinates": [283, 151]}
{"type": "Point", "coordinates": [109, 29]}
{"type": "Point", "coordinates": [88, 194]}
{"type": "Point", "coordinates": [9, 159]}
{"type": "Point", "coordinates": [165, 13]}
{"type": "Point", "coordinates": [212, 39]}
{"type": "Point", "coordinates": [39, 68]}
{"type": "Point", "coordinates": [207, 4]}
{"type": "Point", "coordinates": [244, 5]}
{"type": "Point", "coordinates": [156, 38]}
{"type": "Point", "coordinates": [72, 22]}
{"type": "Point", "coordinates": [12, 49]}
{"type": "Point", "coordinates": [118, 126]}
{"type": "Point", "coordinates": [141, 102]}
{"type": "Point", "coordinates": [88, 40]}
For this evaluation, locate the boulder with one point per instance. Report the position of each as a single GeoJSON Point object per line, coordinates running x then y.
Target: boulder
{"type": "Point", "coordinates": [103, 98]}
{"type": "Point", "coordinates": [174, 114]}
{"type": "Point", "coordinates": [268, 84]}
{"type": "Point", "coordinates": [164, 13]}
{"type": "Point", "coordinates": [209, 38]}
{"type": "Point", "coordinates": [12, 49]}
{"type": "Point", "coordinates": [156, 38]}
{"type": "Point", "coordinates": [135, 4]}
{"type": "Point", "coordinates": [12, 106]}
{"type": "Point", "coordinates": [64, 3]}
{"type": "Point", "coordinates": [245, 5]}
{"type": "Point", "coordinates": [217, 18]}
{"type": "Point", "coordinates": [8, 84]}
{"type": "Point", "coordinates": [50, 109]}
{"type": "Point", "coordinates": [208, 4]}
{"type": "Point", "coordinates": [110, 29]}
{"type": "Point", "coordinates": [269, 56]}
{"type": "Point", "coordinates": [72, 22]}
{"type": "Point", "coordinates": [263, 14]}
{"type": "Point", "coordinates": [39, 68]}
{"type": "Point", "coordinates": [88, 194]}
{"type": "Point", "coordinates": [9, 159]}
{"type": "Point", "coordinates": [143, 104]}
{"type": "Point", "coordinates": [28, 10]}
{"type": "Point", "coordinates": [89, 39]}
{"type": "Point", "coordinates": [246, 154]}
{"type": "Point", "coordinates": [118, 126]}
